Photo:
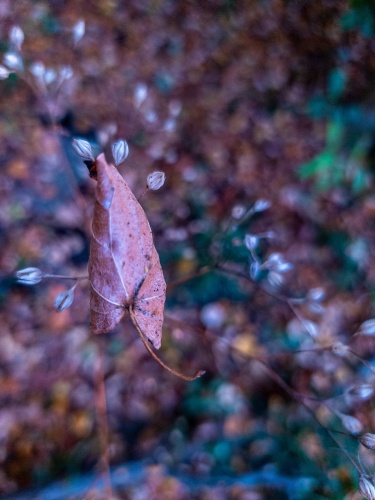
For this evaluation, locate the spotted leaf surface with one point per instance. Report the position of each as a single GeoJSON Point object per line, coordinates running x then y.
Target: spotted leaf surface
{"type": "Point", "coordinates": [124, 267]}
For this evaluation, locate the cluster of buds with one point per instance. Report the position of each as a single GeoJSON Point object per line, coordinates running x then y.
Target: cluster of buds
{"type": "Point", "coordinates": [13, 62]}
{"type": "Point", "coordinates": [32, 275]}
{"type": "Point", "coordinates": [120, 151]}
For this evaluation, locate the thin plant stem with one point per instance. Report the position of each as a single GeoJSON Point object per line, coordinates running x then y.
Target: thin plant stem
{"type": "Point", "coordinates": [166, 367]}
{"type": "Point", "coordinates": [144, 192]}
{"type": "Point", "coordinates": [62, 277]}
{"type": "Point", "coordinates": [185, 279]}
{"type": "Point", "coordinates": [101, 409]}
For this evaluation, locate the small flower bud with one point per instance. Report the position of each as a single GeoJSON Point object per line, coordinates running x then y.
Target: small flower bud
{"type": "Point", "coordinates": [16, 37]}
{"type": "Point", "coordinates": [29, 276]}
{"type": "Point", "coordinates": [120, 151]}
{"type": "Point", "coordinates": [4, 72]}
{"type": "Point", "coordinates": [350, 423]}
{"type": "Point", "coordinates": [340, 349]}
{"type": "Point", "coordinates": [316, 294]}
{"type": "Point", "coordinates": [37, 69]}
{"type": "Point", "coordinates": [65, 72]}
{"type": "Point", "coordinates": [78, 31]}
{"type": "Point", "coordinates": [254, 270]}
{"type": "Point", "coordinates": [155, 180]}
{"type": "Point", "coordinates": [251, 241]}
{"type": "Point", "coordinates": [261, 205]}
{"type": "Point", "coordinates": [50, 76]}
{"type": "Point", "coordinates": [363, 391]}
{"type": "Point", "coordinates": [366, 487]}
{"type": "Point", "coordinates": [13, 61]}
{"type": "Point", "coordinates": [316, 308]}
{"type": "Point", "coordinates": [368, 440]}
{"type": "Point", "coordinates": [275, 279]}
{"type": "Point", "coordinates": [64, 300]}
{"type": "Point", "coordinates": [83, 149]}
{"type": "Point", "coordinates": [367, 327]}
{"type": "Point", "coordinates": [277, 263]}
{"type": "Point", "coordinates": [238, 211]}
{"type": "Point", "coordinates": [140, 94]}
{"type": "Point", "coordinates": [311, 328]}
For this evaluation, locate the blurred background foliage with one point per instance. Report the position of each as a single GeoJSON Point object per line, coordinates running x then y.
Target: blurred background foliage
{"type": "Point", "coordinates": [241, 103]}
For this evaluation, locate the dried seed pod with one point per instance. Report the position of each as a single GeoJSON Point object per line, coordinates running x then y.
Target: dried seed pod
{"type": "Point", "coordinates": [366, 486]}
{"type": "Point", "coordinates": [16, 37]}
{"type": "Point", "coordinates": [64, 299]}
{"type": "Point", "coordinates": [4, 72]}
{"type": "Point", "coordinates": [368, 440]}
{"type": "Point", "coordinates": [120, 151]}
{"type": "Point", "coordinates": [29, 276]}
{"type": "Point", "coordinates": [83, 149]}
{"type": "Point", "coordinates": [78, 30]}
{"type": "Point", "coordinates": [155, 180]}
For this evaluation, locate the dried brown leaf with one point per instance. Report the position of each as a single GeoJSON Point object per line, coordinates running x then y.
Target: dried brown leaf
{"type": "Point", "coordinates": [124, 267]}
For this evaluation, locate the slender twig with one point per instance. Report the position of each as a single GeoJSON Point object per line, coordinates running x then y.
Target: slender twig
{"type": "Point", "coordinates": [168, 368]}
{"type": "Point", "coordinates": [101, 408]}
{"type": "Point", "coordinates": [189, 277]}
{"type": "Point", "coordinates": [144, 192]}
{"type": "Point", "coordinates": [62, 277]}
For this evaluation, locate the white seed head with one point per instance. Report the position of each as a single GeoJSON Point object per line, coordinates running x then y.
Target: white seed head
{"type": "Point", "coordinates": [64, 300]}
{"type": "Point", "coordinates": [155, 180]}
{"type": "Point", "coordinates": [16, 37]}
{"type": "Point", "coordinates": [238, 211]}
{"type": "Point", "coordinates": [83, 149]}
{"type": "Point", "coordinates": [316, 294]}
{"type": "Point", "coordinates": [368, 440]}
{"type": "Point", "coordinates": [277, 263]}
{"type": "Point", "coordinates": [13, 61]}
{"type": "Point", "coordinates": [350, 423]}
{"type": "Point", "coordinates": [29, 276]}
{"type": "Point", "coordinates": [251, 241]}
{"type": "Point", "coordinates": [65, 72]}
{"type": "Point", "coordinates": [50, 76]}
{"type": "Point", "coordinates": [311, 328]}
{"type": "Point", "coordinates": [316, 308]}
{"type": "Point", "coordinates": [37, 69]}
{"type": "Point", "coordinates": [140, 93]}
{"type": "Point", "coordinates": [366, 487]}
{"type": "Point", "coordinates": [340, 349]}
{"type": "Point", "coordinates": [363, 391]}
{"type": "Point", "coordinates": [269, 234]}
{"type": "Point", "coordinates": [120, 151]}
{"type": "Point", "coordinates": [4, 72]}
{"type": "Point", "coordinates": [254, 270]}
{"type": "Point", "coordinates": [261, 205]}
{"type": "Point", "coordinates": [367, 327]}
{"type": "Point", "coordinates": [275, 279]}
{"type": "Point", "coordinates": [79, 30]}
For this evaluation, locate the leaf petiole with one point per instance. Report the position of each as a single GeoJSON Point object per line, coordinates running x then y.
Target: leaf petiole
{"type": "Point", "coordinates": [168, 368]}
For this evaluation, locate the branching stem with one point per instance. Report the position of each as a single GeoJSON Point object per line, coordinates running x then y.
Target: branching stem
{"type": "Point", "coordinates": [168, 368]}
